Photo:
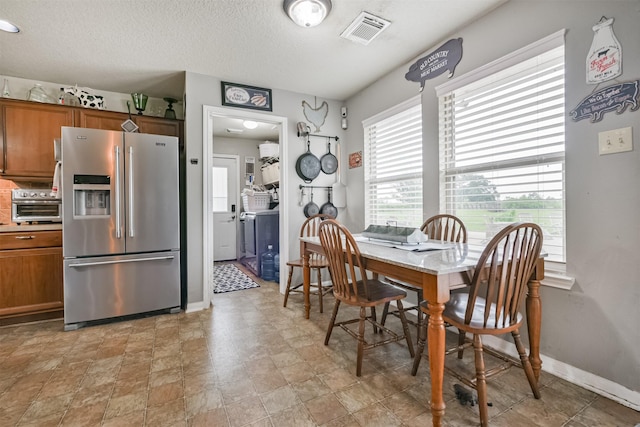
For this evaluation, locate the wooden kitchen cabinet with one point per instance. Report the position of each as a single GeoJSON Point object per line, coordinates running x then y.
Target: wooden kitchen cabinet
{"type": "Point", "coordinates": [26, 137]}
{"type": "Point", "coordinates": [31, 268]}
{"type": "Point", "coordinates": [100, 119]}
{"type": "Point", "coordinates": [27, 131]}
{"type": "Point", "coordinates": [158, 126]}
{"type": "Point", "coordinates": [111, 120]}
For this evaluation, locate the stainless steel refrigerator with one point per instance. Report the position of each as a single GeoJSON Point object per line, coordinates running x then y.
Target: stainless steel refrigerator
{"type": "Point", "coordinates": [120, 224]}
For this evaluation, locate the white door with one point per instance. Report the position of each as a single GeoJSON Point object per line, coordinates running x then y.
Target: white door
{"type": "Point", "coordinates": [225, 206]}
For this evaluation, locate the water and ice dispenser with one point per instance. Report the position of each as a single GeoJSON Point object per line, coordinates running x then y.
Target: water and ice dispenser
{"type": "Point", "coordinates": [91, 196]}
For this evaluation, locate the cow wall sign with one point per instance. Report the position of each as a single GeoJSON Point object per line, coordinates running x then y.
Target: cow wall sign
{"type": "Point", "coordinates": [444, 58]}
{"type": "Point", "coordinates": [612, 98]}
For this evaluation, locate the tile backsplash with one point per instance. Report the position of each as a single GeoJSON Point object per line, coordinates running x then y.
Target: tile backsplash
{"type": "Point", "coordinates": [5, 200]}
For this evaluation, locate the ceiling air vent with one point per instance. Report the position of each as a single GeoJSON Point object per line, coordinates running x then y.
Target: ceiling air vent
{"type": "Point", "coordinates": [365, 28]}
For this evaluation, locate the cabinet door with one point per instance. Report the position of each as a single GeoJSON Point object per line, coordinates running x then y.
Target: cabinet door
{"type": "Point", "coordinates": [98, 119]}
{"type": "Point", "coordinates": [28, 131]}
{"type": "Point", "coordinates": [30, 281]}
{"type": "Point", "coordinates": [158, 126]}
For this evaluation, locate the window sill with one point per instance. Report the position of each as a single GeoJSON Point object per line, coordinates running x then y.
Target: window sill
{"type": "Point", "coordinates": [558, 279]}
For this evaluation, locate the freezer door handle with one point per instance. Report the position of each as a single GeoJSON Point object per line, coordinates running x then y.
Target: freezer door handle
{"type": "Point", "coordinates": [131, 233]}
{"type": "Point", "coordinates": [122, 261]}
{"type": "Point", "coordinates": [118, 219]}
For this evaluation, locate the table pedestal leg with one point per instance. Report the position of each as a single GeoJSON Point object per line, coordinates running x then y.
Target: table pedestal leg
{"type": "Point", "coordinates": [534, 317]}
{"type": "Point", "coordinates": [436, 342]}
{"type": "Point", "coordinates": [306, 283]}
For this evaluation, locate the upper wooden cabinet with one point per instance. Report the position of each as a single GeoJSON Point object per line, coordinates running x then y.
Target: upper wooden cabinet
{"type": "Point", "coordinates": [158, 126]}
{"type": "Point", "coordinates": [26, 137]}
{"type": "Point", "coordinates": [110, 120]}
{"type": "Point", "coordinates": [29, 128]}
{"type": "Point", "coordinates": [98, 119]}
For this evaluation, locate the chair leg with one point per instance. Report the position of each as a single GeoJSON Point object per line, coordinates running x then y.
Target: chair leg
{"type": "Point", "coordinates": [332, 322]}
{"type": "Point", "coordinates": [363, 316]}
{"type": "Point", "coordinates": [320, 288]}
{"type": "Point", "coordinates": [526, 364]}
{"type": "Point", "coordinates": [374, 318]}
{"type": "Point", "coordinates": [286, 292]}
{"type": "Point", "coordinates": [385, 312]}
{"type": "Point", "coordinates": [461, 337]}
{"type": "Point", "coordinates": [481, 381]}
{"type": "Point", "coordinates": [422, 338]}
{"type": "Point", "coordinates": [405, 327]}
{"type": "Point", "coordinates": [420, 315]}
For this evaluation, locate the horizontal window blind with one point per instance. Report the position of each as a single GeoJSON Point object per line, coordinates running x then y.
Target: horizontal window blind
{"type": "Point", "coordinates": [393, 168]}
{"type": "Point", "coordinates": [502, 150]}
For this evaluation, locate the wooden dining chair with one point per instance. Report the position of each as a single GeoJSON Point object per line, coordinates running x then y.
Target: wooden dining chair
{"type": "Point", "coordinates": [492, 305]}
{"type": "Point", "coordinates": [352, 286]}
{"type": "Point", "coordinates": [316, 262]}
{"type": "Point", "coordinates": [444, 227]}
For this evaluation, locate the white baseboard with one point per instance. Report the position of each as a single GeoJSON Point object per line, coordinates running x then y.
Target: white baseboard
{"type": "Point", "coordinates": [196, 306]}
{"type": "Point", "coordinates": [596, 384]}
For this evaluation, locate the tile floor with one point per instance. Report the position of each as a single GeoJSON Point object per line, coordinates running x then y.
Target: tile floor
{"type": "Point", "coordinates": [250, 362]}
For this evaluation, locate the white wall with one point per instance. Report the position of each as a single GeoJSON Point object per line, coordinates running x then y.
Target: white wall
{"type": "Point", "coordinates": [244, 148]}
{"type": "Point", "coordinates": [595, 326]}
{"type": "Point", "coordinates": [205, 90]}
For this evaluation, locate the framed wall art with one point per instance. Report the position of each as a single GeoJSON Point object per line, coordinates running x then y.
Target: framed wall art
{"type": "Point", "coordinates": [243, 96]}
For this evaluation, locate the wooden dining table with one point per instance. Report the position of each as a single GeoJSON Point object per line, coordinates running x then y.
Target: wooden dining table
{"type": "Point", "coordinates": [437, 272]}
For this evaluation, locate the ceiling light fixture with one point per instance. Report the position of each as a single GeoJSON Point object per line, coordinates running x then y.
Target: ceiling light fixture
{"type": "Point", "coordinates": [8, 27]}
{"type": "Point", "coordinates": [307, 13]}
{"type": "Point", "coordinates": [249, 124]}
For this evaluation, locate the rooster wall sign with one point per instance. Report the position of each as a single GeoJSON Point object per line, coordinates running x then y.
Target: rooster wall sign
{"type": "Point", "coordinates": [315, 115]}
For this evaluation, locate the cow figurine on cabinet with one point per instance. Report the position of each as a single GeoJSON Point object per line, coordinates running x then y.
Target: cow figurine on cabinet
{"type": "Point", "coordinates": [86, 99]}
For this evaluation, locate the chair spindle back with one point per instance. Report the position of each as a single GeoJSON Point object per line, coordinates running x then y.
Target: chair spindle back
{"type": "Point", "coordinates": [345, 260]}
{"type": "Point", "coordinates": [445, 227]}
{"type": "Point", "coordinates": [502, 273]}
{"type": "Point", "coordinates": [310, 229]}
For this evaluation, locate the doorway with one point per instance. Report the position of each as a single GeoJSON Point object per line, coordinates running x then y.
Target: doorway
{"type": "Point", "coordinates": [212, 116]}
{"type": "Point", "coordinates": [225, 206]}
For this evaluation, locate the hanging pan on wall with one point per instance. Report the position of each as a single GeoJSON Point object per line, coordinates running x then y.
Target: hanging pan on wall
{"type": "Point", "coordinates": [308, 165]}
{"type": "Point", "coordinates": [328, 208]}
{"type": "Point", "coordinates": [329, 162]}
{"type": "Point", "coordinates": [311, 209]}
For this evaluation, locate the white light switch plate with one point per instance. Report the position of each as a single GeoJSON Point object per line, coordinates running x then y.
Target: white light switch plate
{"type": "Point", "coordinates": [615, 141]}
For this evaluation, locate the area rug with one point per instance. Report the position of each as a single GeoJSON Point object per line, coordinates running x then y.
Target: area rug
{"type": "Point", "coordinates": [229, 278]}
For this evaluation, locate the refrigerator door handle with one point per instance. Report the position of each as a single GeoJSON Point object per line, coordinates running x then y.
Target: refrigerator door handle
{"type": "Point", "coordinates": [131, 233]}
{"type": "Point", "coordinates": [89, 264]}
{"type": "Point", "coordinates": [118, 219]}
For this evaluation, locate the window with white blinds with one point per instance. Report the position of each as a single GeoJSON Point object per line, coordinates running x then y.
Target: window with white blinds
{"type": "Point", "coordinates": [393, 166]}
{"type": "Point", "coordinates": [502, 149]}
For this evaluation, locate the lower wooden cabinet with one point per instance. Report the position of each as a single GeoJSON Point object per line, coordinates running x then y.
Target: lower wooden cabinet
{"type": "Point", "coordinates": [31, 279]}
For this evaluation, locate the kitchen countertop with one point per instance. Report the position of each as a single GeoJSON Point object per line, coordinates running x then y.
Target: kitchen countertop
{"type": "Point", "coordinates": [29, 227]}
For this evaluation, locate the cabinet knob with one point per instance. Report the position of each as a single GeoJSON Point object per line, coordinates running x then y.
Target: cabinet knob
{"type": "Point", "coordinates": [25, 237]}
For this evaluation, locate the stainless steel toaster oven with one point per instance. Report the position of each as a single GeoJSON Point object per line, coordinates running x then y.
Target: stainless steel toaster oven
{"type": "Point", "coordinates": [29, 205]}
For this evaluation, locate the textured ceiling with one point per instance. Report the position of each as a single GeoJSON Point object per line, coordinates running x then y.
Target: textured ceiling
{"type": "Point", "coordinates": [145, 45]}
